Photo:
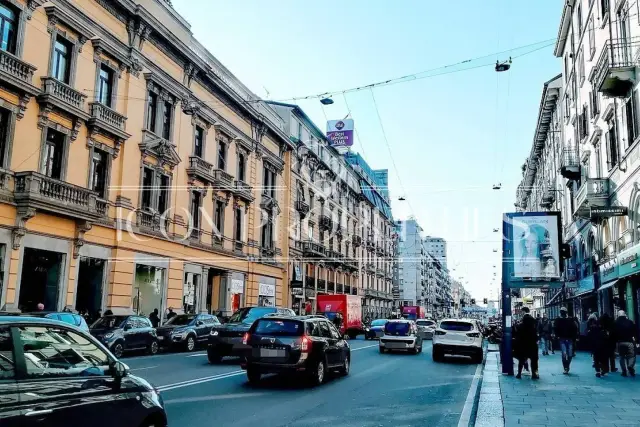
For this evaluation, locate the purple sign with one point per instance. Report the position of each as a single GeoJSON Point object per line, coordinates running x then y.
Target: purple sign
{"type": "Point", "coordinates": [340, 132]}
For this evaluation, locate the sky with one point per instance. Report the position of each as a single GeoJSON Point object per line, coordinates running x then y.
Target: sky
{"type": "Point", "coordinates": [446, 136]}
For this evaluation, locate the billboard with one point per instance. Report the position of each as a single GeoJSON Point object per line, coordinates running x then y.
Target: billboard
{"type": "Point", "coordinates": [535, 245]}
{"type": "Point", "coordinates": [340, 132]}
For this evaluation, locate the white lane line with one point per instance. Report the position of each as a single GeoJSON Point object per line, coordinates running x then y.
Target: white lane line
{"type": "Point", "coordinates": [362, 348]}
{"type": "Point", "coordinates": [196, 381]}
{"type": "Point", "coordinates": [465, 417]}
{"type": "Point", "coordinates": [211, 397]}
{"type": "Point", "coordinates": [144, 368]}
{"type": "Point", "coordinates": [197, 354]}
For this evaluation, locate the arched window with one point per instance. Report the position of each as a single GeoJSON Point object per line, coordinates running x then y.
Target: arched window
{"type": "Point", "coordinates": [624, 236]}
{"type": "Point", "coordinates": [607, 244]}
{"type": "Point", "coordinates": [591, 248]}
{"type": "Point", "coordinates": [584, 261]}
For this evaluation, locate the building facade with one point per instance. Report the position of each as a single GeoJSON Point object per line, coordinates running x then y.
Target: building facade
{"type": "Point", "coordinates": [412, 266]}
{"type": "Point", "coordinates": [137, 172]}
{"type": "Point", "coordinates": [437, 246]}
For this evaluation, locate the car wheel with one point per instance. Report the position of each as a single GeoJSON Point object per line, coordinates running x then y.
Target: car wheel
{"type": "Point", "coordinates": [214, 356]}
{"type": "Point", "coordinates": [191, 343]}
{"type": "Point", "coordinates": [253, 375]}
{"type": "Point", "coordinates": [478, 357]}
{"type": "Point", "coordinates": [153, 347]}
{"type": "Point", "coordinates": [346, 366]}
{"type": "Point", "coordinates": [318, 374]}
{"type": "Point", "coordinates": [437, 357]}
{"type": "Point", "coordinates": [118, 350]}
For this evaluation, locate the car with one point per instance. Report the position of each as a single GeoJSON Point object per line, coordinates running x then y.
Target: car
{"type": "Point", "coordinates": [66, 317]}
{"type": "Point", "coordinates": [401, 334]}
{"type": "Point", "coordinates": [123, 333]}
{"type": "Point", "coordinates": [375, 330]}
{"type": "Point", "coordinates": [226, 339]}
{"type": "Point", "coordinates": [307, 346]}
{"type": "Point", "coordinates": [457, 337]}
{"type": "Point", "coordinates": [186, 331]}
{"type": "Point", "coordinates": [54, 374]}
{"type": "Point", "coordinates": [426, 328]}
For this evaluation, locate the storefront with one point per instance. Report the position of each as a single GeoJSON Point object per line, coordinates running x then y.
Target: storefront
{"type": "Point", "coordinates": [91, 279]}
{"type": "Point", "coordinates": [625, 297]}
{"type": "Point", "coordinates": [267, 292]}
{"type": "Point", "coordinates": [149, 290]}
{"type": "Point", "coordinates": [192, 289]}
{"type": "Point", "coordinates": [609, 274]}
{"type": "Point", "coordinates": [236, 292]}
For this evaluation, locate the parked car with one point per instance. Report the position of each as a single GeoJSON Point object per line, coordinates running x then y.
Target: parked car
{"type": "Point", "coordinates": [426, 327]}
{"type": "Point", "coordinates": [186, 330]}
{"type": "Point", "coordinates": [54, 374]}
{"type": "Point", "coordinates": [63, 316]}
{"type": "Point", "coordinates": [400, 334]}
{"type": "Point", "coordinates": [125, 333]}
{"type": "Point", "coordinates": [457, 337]}
{"type": "Point", "coordinates": [308, 346]}
{"type": "Point", "coordinates": [375, 330]}
{"type": "Point", "coordinates": [226, 339]}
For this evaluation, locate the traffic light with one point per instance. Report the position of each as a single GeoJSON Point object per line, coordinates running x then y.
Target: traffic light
{"type": "Point", "coordinates": [473, 301]}
{"type": "Point", "coordinates": [485, 301]}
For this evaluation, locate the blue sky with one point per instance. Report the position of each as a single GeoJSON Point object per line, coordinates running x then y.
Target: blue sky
{"type": "Point", "coordinates": [451, 136]}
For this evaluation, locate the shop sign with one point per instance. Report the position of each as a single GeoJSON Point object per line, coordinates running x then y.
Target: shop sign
{"type": "Point", "coordinates": [237, 286]}
{"type": "Point", "coordinates": [585, 285]}
{"type": "Point", "coordinates": [267, 290]}
{"type": "Point", "coordinates": [609, 212]}
{"type": "Point", "coordinates": [628, 262]}
{"type": "Point", "coordinates": [297, 292]}
{"type": "Point", "coordinates": [609, 271]}
{"type": "Point", "coordinates": [297, 273]}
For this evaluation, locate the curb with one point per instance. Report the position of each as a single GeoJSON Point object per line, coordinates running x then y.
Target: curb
{"type": "Point", "coordinates": [490, 410]}
{"type": "Point", "coordinates": [468, 415]}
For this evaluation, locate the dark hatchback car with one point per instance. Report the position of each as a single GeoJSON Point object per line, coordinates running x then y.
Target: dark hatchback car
{"type": "Point", "coordinates": [226, 339]}
{"type": "Point", "coordinates": [186, 331]}
{"type": "Point", "coordinates": [52, 374]}
{"type": "Point", "coordinates": [63, 316]}
{"type": "Point", "coordinates": [306, 345]}
{"type": "Point", "coordinates": [375, 330]}
{"type": "Point", "coordinates": [125, 333]}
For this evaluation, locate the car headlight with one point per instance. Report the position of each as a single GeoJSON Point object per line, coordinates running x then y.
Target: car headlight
{"type": "Point", "coordinates": [180, 334]}
{"type": "Point", "coordinates": [367, 329]}
{"type": "Point", "coordinates": [108, 336]}
{"type": "Point", "coordinates": [214, 333]}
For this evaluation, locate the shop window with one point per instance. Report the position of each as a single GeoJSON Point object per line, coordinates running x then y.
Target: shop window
{"type": "Point", "coordinates": [190, 293]}
{"type": "Point", "coordinates": [105, 85]}
{"type": "Point", "coordinates": [8, 25]}
{"type": "Point", "coordinates": [148, 290]}
{"type": "Point", "coordinates": [62, 59]}
{"type": "Point", "coordinates": [53, 159]}
{"type": "Point", "coordinates": [98, 173]}
{"type": "Point", "coordinates": [40, 279]}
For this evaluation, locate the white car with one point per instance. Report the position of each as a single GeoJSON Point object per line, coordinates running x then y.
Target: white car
{"type": "Point", "coordinates": [457, 337]}
{"type": "Point", "coordinates": [426, 328]}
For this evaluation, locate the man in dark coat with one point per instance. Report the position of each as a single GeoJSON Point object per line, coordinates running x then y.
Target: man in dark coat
{"type": "Point", "coordinates": [527, 339]}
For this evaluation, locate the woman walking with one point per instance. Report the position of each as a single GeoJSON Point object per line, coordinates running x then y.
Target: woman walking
{"type": "Point", "coordinates": [598, 342]}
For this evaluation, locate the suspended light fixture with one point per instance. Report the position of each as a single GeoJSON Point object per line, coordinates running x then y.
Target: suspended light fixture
{"type": "Point", "coordinates": [497, 186]}
{"type": "Point", "coordinates": [326, 101]}
{"type": "Point", "coordinates": [503, 66]}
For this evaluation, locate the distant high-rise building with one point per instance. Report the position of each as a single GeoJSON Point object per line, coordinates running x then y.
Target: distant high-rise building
{"type": "Point", "coordinates": [437, 247]}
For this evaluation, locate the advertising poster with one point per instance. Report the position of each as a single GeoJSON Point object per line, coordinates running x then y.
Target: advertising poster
{"type": "Point", "coordinates": [536, 251]}
{"type": "Point", "coordinates": [340, 132]}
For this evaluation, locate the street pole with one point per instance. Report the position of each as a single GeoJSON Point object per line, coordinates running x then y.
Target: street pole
{"type": "Point", "coordinates": [506, 354]}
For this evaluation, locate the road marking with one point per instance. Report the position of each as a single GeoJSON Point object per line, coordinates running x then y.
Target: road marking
{"type": "Point", "coordinates": [144, 368]}
{"type": "Point", "coordinates": [196, 355]}
{"type": "Point", "coordinates": [197, 381]}
{"type": "Point", "coordinates": [465, 417]}
{"type": "Point", "coordinates": [362, 348]}
{"type": "Point", "coordinates": [211, 397]}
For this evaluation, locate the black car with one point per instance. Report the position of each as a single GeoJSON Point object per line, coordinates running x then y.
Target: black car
{"type": "Point", "coordinates": [306, 345]}
{"type": "Point", "coordinates": [53, 374]}
{"type": "Point", "coordinates": [186, 330]}
{"type": "Point", "coordinates": [226, 339]}
{"type": "Point", "coordinates": [125, 333]}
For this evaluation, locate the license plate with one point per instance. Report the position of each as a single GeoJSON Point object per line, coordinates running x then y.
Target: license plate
{"type": "Point", "coordinates": [266, 352]}
{"type": "Point", "coordinates": [160, 338]}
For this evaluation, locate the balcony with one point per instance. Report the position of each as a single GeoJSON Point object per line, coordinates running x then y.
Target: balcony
{"type": "Point", "coordinates": [34, 190]}
{"type": "Point", "coordinates": [243, 191]}
{"type": "Point", "coordinates": [570, 164]}
{"type": "Point", "coordinates": [548, 196]}
{"type": "Point", "coordinates": [302, 207]}
{"type": "Point", "coordinates": [62, 96]}
{"type": "Point", "coordinates": [371, 244]}
{"type": "Point", "coordinates": [380, 272]}
{"type": "Point", "coordinates": [17, 73]}
{"type": "Point", "coordinates": [351, 264]}
{"type": "Point", "coordinates": [379, 250]}
{"type": "Point", "coordinates": [222, 180]}
{"type": "Point", "coordinates": [356, 240]}
{"type": "Point", "coordinates": [200, 169]}
{"type": "Point", "coordinates": [371, 268]}
{"type": "Point", "coordinates": [152, 222]}
{"type": "Point", "coordinates": [326, 223]}
{"type": "Point", "coordinates": [335, 257]}
{"type": "Point", "coordinates": [104, 119]}
{"type": "Point", "coordinates": [313, 249]}
{"type": "Point", "coordinates": [592, 194]}
{"type": "Point", "coordinates": [615, 71]}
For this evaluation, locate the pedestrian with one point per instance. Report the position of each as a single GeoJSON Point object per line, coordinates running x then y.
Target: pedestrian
{"type": "Point", "coordinates": [40, 306]}
{"type": "Point", "coordinates": [155, 318]}
{"type": "Point", "coordinates": [625, 333]}
{"type": "Point", "coordinates": [575, 341]}
{"type": "Point", "coordinates": [108, 313]}
{"type": "Point", "coordinates": [545, 330]}
{"type": "Point", "coordinates": [608, 325]}
{"type": "Point", "coordinates": [171, 314]}
{"type": "Point", "coordinates": [527, 339]}
{"type": "Point", "coordinates": [597, 338]}
{"type": "Point", "coordinates": [566, 331]}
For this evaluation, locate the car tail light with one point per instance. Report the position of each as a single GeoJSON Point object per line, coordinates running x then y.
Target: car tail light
{"type": "Point", "coordinates": [440, 332]}
{"type": "Point", "coordinates": [474, 334]}
{"type": "Point", "coordinates": [305, 344]}
{"type": "Point", "coordinates": [245, 338]}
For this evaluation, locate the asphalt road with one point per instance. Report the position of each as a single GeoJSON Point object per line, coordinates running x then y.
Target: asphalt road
{"type": "Point", "coordinates": [381, 390]}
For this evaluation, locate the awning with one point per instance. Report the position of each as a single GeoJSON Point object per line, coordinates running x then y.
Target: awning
{"type": "Point", "coordinates": [553, 298]}
{"type": "Point", "coordinates": [608, 285]}
{"type": "Point", "coordinates": [582, 293]}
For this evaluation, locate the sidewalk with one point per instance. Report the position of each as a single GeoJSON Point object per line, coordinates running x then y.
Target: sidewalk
{"type": "Point", "coordinates": [576, 399]}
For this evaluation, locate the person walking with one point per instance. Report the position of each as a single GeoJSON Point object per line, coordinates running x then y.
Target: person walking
{"type": "Point", "coordinates": [625, 333]}
{"type": "Point", "coordinates": [155, 318]}
{"type": "Point", "coordinates": [545, 329]}
{"type": "Point", "coordinates": [527, 344]}
{"type": "Point", "coordinates": [608, 325]}
{"type": "Point", "coordinates": [566, 331]}
{"type": "Point", "coordinates": [171, 314]}
{"type": "Point", "coordinates": [597, 339]}
{"type": "Point", "coordinates": [575, 340]}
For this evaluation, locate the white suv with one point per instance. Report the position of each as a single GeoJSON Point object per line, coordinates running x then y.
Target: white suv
{"type": "Point", "coordinates": [457, 337]}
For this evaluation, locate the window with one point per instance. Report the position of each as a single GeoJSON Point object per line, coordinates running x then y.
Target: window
{"type": "Point", "coordinates": [155, 190]}
{"type": "Point", "coordinates": [237, 219]}
{"type": "Point", "coordinates": [198, 143]}
{"type": "Point", "coordinates": [631, 117]}
{"type": "Point", "coordinates": [611, 141]}
{"type": "Point", "coordinates": [579, 18]}
{"type": "Point", "coordinates": [105, 85]}
{"type": "Point", "coordinates": [196, 199]}
{"type": "Point", "coordinates": [594, 101]}
{"type": "Point", "coordinates": [166, 120]}
{"type": "Point", "coordinates": [581, 67]}
{"type": "Point", "coordinates": [62, 59]}
{"type": "Point", "coordinates": [222, 155]}
{"type": "Point", "coordinates": [53, 152]}
{"type": "Point", "coordinates": [57, 352]}
{"type": "Point", "coordinates": [163, 196]}
{"type": "Point", "coordinates": [218, 217]}
{"type": "Point", "coordinates": [269, 182]}
{"type": "Point", "coordinates": [604, 7]}
{"type": "Point", "coordinates": [99, 172]}
{"type": "Point", "coordinates": [8, 27]}
{"type": "Point", "coordinates": [267, 230]}
{"type": "Point", "coordinates": [592, 38]}
{"type": "Point", "coordinates": [241, 167]}
{"type": "Point", "coordinates": [147, 183]}
{"type": "Point", "coordinates": [7, 363]}
{"type": "Point", "coordinates": [5, 117]}
{"type": "Point", "coordinates": [152, 108]}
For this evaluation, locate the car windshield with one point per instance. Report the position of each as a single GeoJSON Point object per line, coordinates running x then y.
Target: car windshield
{"type": "Point", "coordinates": [276, 327]}
{"type": "Point", "coordinates": [456, 326]}
{"type": "Point", "coordinates": [397, 328]}
{"type": "Point", "coordinates": [379, 322]}
{"type": "Point", "coordinates": [109, 322]}
{"type": "Point", "coordinates": [249, 314]}
{"type": "Point", "coordinates": [425, 322]}
{"type": "Point", "coordinates": [181, 320]}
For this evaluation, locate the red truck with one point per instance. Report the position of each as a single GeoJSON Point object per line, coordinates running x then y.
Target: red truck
{"type": "Point", "coordinates": [413, 312]}
{"type": "Point", "coordinates": [350, 306]}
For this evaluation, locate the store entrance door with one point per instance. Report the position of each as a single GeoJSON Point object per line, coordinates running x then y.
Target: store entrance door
{"type": "Point", "coordinates": [90, 285]}
{"type": "Point", "coordinates": [40, 280]}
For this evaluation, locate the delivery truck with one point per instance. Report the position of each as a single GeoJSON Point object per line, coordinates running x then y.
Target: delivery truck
{"type": "Point", "coordinates": [413, 312]}
{"type": "Point", "coordinates": [350, 306]}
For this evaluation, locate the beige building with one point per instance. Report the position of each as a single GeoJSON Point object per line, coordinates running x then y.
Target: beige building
{"type": "Point", "coordinates": [137, 172]}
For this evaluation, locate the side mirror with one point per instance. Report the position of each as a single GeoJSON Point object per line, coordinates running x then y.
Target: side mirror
{"type": "Point", "coordinates": [120, 369]}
